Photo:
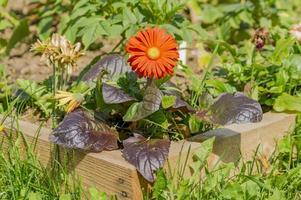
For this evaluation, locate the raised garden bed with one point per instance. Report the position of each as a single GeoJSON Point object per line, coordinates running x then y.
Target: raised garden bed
{"type": "Point", "coordinates": [110, 172]}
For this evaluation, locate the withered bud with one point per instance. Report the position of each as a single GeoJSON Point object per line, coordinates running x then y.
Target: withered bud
{"type": "Point", "coordinates": [260, 38]}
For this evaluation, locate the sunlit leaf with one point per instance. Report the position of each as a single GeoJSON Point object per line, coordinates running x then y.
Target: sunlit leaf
{"type": "Point", "coordinates": [150, 104]}
{"type": "Point", "coordinates": [282, 49]}
{"type": "Point", "coordinates": [235, 108]}
{"type": "Point", "coordinates": [112, 95]}
{"type": "Point", "coordinates": [81, 131]}
{"type": "Point", "coordinates": [168, 101]}
{"type": "Point", "coordinates": [147, 155]}
{"type": "Point", "coordinates": [20, 32]}
{"type": "Point", "coordinates": [200, 157]}
{"type": "Point", "coordinates": [160, 185]}
{"type": "Point", "coordinates": [286, 102]}
{"type": "Point", "coordinates": [113, 64]}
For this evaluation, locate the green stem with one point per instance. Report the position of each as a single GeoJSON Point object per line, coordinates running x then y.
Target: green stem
{"type": "Point", "coordinates": [204, 77]}
{"type": "Point", "coordinates": [54, 87]}
{"type": "Point", "coordinates": [252, 67]}
{"type": "Point", "coordinates": [118, 44]}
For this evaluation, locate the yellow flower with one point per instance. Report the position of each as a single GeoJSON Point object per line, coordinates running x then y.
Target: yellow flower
{"type": "Point", "coordinates": [72, 100]}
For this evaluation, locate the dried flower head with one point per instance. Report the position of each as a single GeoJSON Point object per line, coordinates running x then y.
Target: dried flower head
{"type": "Point", "coordinates": [59, 50]}
{"type": "Point", "coordinates": [73, 100]}
{"type": "Point", "coordinates": [260, 38]}
{"type": "Point", "coordinates": [296, 31]}
{"type": "Point", "coordinates": [153, 53]}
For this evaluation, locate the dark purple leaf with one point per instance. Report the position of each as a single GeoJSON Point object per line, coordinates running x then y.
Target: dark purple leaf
{"type": "Point", "coordinates": [181, 104]}
{"type": "Point", "coordinates": [81, 131]}
{"type": "Point", "coordinates": [235, 108]}
{"type": "Point", "coordinates": [112, 95]}
{"type": "Point", "coordinates": [113, 64]}
{"type": "Point", "coordinates": [147, 155]}
{"type": "Point", "coordinates": [150, 104]}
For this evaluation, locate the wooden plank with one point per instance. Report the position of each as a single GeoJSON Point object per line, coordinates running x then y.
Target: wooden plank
{"type": "Point", "coordinates": [109, 172]}
{"type": "Point", "coordinates": [236, 140]}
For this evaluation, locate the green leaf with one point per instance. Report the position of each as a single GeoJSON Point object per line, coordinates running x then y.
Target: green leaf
{"type": "Point", "coordinates": [200, 158]}
{"type": "Point", "coordinates": [286, 102]}
{"type": "Point", "coordinates": [95, 195]}
{"type": "Point", "coordinates": [210, 13]}
{"type": "Point", "coordinates": [168, 101]}
{"type": "Point", "coordinates": [217, 87]}
{"type": "Point", "coordinates": [282, 49]}
{"type": "Point", "coordinates": [150, 104]}
{"type": "Point", "coordinates": [45, 27]}
{"type": "Point", "coordinates": [83, 11]}
{"type": "Point", "coordinates": [3, 44]}
{"type": "Point", "coordinates": [194, 124]}
{"type": "Point", "coordinates": [159, 118]}
{"type": "Point", "coordinates": [160, 184]}
{"type": "Point", "coordinates": [36, 93]}
{"type": "Point", "coordinates": [128, 17]}
{"type": "Point", "coordinates": [115, 30]}
{"type": "Point", "coordinates": [187, 35]}
{"type": "Point", "coordinates": [92, 32]}
{"type": "Point", "coordinates": [34, 196]}
{"type": "Point", "coordinates": [65, 197]}
{"type": "Point", "coordinates": [132, 112]}
{"type": "Point", "coordinates": [19, 33]}
{"type": "Point", "coordinates": [4, 24]}
{"type": "Point", "coordinates": [3, 2]}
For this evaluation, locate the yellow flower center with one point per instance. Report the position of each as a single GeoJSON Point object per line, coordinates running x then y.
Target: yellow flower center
{"type": "Point", "coordinates": [153, 53]}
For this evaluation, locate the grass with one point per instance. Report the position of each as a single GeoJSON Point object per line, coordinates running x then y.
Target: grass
{"type": "Point", "coordinates": [22, 176]}
{"type": "Point", "coordinates": [279, 177]}
{"type": "Point", "coordinates": [275, 178]}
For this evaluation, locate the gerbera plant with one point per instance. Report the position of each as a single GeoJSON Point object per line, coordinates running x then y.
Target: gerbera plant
{"type": "Point", "coordinates": [132, 102]}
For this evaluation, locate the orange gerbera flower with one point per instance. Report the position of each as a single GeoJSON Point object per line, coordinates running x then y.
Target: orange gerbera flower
{"type": "Point", "coordinates": [153, 53]}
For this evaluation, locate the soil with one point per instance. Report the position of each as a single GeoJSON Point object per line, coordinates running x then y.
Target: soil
{"type": "Point", "coordinates": [23, 64]}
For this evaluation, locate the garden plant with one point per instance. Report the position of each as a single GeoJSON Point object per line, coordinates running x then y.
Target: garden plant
{"type": "Point", "coordinates": [160, 71]}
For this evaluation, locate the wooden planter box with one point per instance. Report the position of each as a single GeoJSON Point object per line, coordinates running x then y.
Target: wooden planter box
{"type": "Point", "coordinates": [109, 172]}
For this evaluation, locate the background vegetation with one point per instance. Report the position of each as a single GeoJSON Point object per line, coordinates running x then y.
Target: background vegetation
{"type": "Point", "coordinates": [233, 45]}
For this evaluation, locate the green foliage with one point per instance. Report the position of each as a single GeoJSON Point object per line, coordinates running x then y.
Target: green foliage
{"type": "Point", "coordinates": [5, 89]}
{"type": "Point", "coordinates": [18, 29]}
{"type": "Point", "coordinates": [19, 33]}
{"type": "Point", "coordinates": [96, 195]}
{"type": "Point", "coordinates": [168, 101]}
{"type": "Point", "coordinates": [89, 21]}
{"type": "Point", "coordinates": [264, 75]}
{"type": "Point", "coordinates": [23, 177]}
{"type": "Point", "coordinates": [280, 180]}
{"type": "Point", "coordinates": [129, 85]}
{"type": "Point", "coordinates": [36, 95]}
{"type": "Point", "coordinates": [286, 102]}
